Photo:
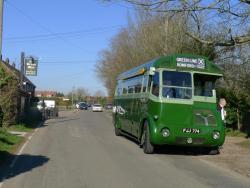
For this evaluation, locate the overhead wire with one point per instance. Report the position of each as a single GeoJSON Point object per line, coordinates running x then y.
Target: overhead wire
{"type": "Point", "coordinates": [68, 62]}
{"type": "Point", "coordinates": [45, 28]}
{"type": "Point", "coordinates": [68, 34]}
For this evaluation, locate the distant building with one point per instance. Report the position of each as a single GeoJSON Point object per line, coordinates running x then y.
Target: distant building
{"type": "Point", "coordinates": [46, 94]}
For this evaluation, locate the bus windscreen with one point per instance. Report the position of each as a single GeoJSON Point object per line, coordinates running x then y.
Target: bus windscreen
{"type": "Point", "coordinates": [176, 85]}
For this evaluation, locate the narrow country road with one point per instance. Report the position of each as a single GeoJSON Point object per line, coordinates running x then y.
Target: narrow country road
{"type": "Point", "coordinates": [80, 150]}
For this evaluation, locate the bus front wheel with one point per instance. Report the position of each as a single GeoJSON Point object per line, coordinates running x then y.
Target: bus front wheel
{"type": "Point", "coordinates": [213, 151]}
{"type": "Point", "coordinates": [148, 148]}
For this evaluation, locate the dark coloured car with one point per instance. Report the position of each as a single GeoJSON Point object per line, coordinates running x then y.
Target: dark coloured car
{"type": "Point", "coordinates": [109, 106]}
{"type": "Point", "coordinates": [83, 106]}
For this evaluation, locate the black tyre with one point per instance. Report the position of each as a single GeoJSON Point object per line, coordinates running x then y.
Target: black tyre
{"type": "Point", "coordinates": [117, 130]}
{"type": "Point", "coordinates": [213, 151]}
{"type": "Point", "coordinates": [148, 148]}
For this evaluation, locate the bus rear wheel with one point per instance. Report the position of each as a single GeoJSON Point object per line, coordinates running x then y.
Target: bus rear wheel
{"type": "Point", "coordinates": [117, 130]}
{"type": "Point", "coordinates": [148, 148]}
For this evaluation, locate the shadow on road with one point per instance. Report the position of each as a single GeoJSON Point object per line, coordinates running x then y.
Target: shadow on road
{"type": "Point", "coordinates": [173, 150]}
{"type": "Point", "coordinates": [179, 150]}
{"type": "Point", "coordinates": [55, 121]}
{"type": "Point", "coordinates": [24, 163]}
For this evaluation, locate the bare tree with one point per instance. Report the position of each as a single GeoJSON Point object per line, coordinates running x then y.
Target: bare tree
{"type": "Point", "coordinates": [79, 94]}
{"type": "Point", "coordinates": [99, 93]}
{"type": "Point", "coordinates": [232, 14]}
{"type": "Point", "coordinates": [148, 37]}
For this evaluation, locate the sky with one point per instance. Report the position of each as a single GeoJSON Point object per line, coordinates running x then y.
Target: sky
{"type": "Point", "coordinates": [65, 35]}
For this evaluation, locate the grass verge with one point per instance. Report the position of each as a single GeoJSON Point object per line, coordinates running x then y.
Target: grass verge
{"type": "Point", "coordinates": [21, 128]}
{"type": "Point", "coordinates": [8, 143]}
{"type": "Point", "coordinates": [31, 121]}
{"type": "Point", "coordinates": [235, 133]}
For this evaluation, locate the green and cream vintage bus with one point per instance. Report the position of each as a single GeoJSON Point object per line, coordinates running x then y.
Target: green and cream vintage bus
{"type": "Point", "coordinates": [170, 100]}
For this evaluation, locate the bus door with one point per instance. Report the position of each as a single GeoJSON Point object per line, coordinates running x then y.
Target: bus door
{"type": "Point", "coordinates": [128, 107]}
{"type": "Point", "coordinates": [137, 106]}
{"type": "Point", "coordinates": [126, 125]}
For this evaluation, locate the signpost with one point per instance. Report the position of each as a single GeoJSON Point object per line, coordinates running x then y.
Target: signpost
{"type": "Point", "coordinates": [31, 64]}
{"type": "Point", "coordinates": [28, 68]}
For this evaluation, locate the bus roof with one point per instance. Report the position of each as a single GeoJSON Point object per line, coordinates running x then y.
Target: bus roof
{"type": "Point", "coordinates": [178, 62]}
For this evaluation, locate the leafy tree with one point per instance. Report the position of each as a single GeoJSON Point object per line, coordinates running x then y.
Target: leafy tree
{"type": "Point", "coordinates": [59, 94]}
{"type": "Point", "coordinates": [8, 96]}
{"type": "Point", "coordinates": [78, 94]}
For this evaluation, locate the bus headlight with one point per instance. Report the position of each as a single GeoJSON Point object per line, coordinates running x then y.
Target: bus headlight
{"type": "Point", "coordinates": [165, 132]}
{"type": "Point", "coordinates": [216, 135]}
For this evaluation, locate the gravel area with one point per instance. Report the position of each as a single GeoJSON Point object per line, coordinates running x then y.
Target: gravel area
{"type": "Point", "coordinates": [232, 156]}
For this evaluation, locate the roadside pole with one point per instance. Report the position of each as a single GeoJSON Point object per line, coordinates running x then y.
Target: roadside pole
{"type": "Point", "coordinates": [1, 27]}
{"type": "Point", "coordinates": [22, 70]}
{"type": "Point", "coordinates": [72, 97]}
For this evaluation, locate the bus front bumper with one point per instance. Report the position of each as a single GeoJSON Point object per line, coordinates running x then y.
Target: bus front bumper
{"type": "Point", "coordinates": [204, 136]}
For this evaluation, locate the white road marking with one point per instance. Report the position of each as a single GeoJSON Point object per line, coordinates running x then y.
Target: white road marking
{"type": "Point", "coordinates": [1, 183]}
{"type": "Point", "coordinates": [20, 152]}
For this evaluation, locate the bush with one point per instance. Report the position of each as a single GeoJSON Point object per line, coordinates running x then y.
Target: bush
{"type": "Point", "coordinates": [238, 106]}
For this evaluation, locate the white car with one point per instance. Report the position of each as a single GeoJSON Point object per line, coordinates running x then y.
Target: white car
{"type": "Point", "coordinates": [97, 108]}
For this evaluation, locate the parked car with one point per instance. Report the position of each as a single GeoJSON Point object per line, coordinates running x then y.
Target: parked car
{"type": "Point", "coordinates": [48, 108]}
{"type": "Point", "coordinates": [79, 103]}
{"type": "Point", "coordinates": [83, 106]}
{"type": "Point", "coordinates": [97, 108]}
{"type": "Point", "coordinates": [108, 106]}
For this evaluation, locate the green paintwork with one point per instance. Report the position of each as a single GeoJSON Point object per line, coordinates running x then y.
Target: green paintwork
{"type": "Point", "coordinates": [169, 62]}
{"type": "Point", "coordinates": [174, 114]}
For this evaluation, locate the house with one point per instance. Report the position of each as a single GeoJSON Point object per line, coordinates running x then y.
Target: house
{"type": "Point", "coordinates": [45, 94]}
{"type": "Point", "coordinates": [26, 90]}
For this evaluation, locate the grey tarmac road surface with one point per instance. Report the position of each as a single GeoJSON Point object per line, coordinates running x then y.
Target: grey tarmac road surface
{"type": "Point", "coordinates": [80, 150]}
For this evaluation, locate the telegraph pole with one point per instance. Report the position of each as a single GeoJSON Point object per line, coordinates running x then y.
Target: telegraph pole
{"type": "Point", "coordinates": [22, 70]}
{"type": "Point", "coordinates": [72, 96]}
{"type": "Point", "coordinates": [1, 27]}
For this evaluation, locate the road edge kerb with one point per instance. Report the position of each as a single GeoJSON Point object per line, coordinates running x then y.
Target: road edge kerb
{"type": "Point", "coordinates": [24, 144]}
{"type": "Point", "coordinates": [19, 152]}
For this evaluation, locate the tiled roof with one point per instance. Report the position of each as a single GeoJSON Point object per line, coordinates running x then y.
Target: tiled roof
{"type": "Point", "coordinates": [17, 72]}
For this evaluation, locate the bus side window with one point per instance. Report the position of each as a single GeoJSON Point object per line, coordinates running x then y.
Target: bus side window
{"type": "Point", "coordinates": [124, 88]}
{"type": "Point", "coordinates": [138, 88]}
{"type": "Point", "coordinates": [138, 84]}
{"type": "Point", "coordinates": [119, 88]}
{"type": "Point", "coordinates": [130, 89]}
{"type": "Point", "coordinates": [155, 87]}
